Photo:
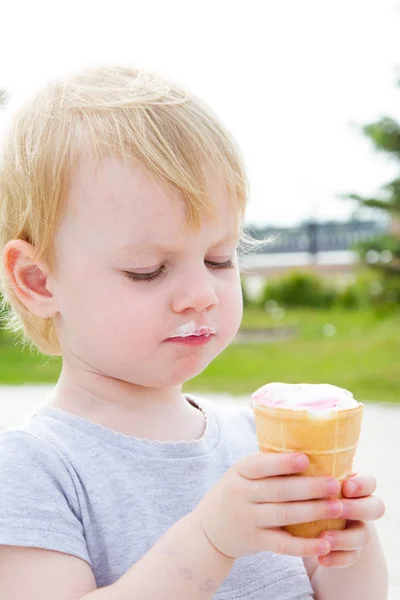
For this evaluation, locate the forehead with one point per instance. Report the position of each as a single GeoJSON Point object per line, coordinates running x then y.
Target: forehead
{"type": "Point", "coordinates": [121, 202]}
{"type": "Point", "coordinates": [112, 189]}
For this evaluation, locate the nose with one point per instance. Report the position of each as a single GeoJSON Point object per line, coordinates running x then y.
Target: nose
{"type": "Point", "coordinates": [195, 292]}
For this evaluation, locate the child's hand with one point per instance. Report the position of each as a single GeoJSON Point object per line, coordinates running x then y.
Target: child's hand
{"type": "Point", "coordinates": [242, 514]}
{"type": "Point", "coordinates": [358, 506]}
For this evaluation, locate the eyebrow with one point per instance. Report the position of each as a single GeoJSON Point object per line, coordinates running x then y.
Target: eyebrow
{"type": "Point", "coordinates": [168, 249]}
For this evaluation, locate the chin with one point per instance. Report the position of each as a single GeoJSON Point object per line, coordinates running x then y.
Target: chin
{"type": "Point", "coordinates": [185, 372]}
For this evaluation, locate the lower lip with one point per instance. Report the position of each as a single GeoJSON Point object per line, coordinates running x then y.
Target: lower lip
{"type": "Point", "coordinates": [192, 340]}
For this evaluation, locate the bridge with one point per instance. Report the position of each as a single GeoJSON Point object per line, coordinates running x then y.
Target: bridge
{"type": "Point", "coordinates": [322, 248]}
{"type": "Point", "coordinates": [316, 237]}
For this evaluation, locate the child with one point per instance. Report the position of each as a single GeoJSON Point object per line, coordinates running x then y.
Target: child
{"type": "Point", "coordinates": [122, 203]}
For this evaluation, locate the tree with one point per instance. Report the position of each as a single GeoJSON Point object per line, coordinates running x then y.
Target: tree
{"type": "Point", "coordinates": [382, 252]}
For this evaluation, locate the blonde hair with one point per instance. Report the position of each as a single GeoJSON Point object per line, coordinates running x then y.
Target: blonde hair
{"type": "Point", "coordinates": [103, 111]}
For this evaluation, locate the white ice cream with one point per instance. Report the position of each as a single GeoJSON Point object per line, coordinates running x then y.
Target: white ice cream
{"type": "Point", "coordinates": [189, 329]}
{"type": "Point", "coordinates": [313, 397]}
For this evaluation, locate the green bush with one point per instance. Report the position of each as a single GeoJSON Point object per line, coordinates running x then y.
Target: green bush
{"type": "Point", "coordinates": [371, 289]}
{"type": "Point", "coordinates": [386, 295]}
{"type": "Point", "coordinates": [299, 289]}
{"type": "Point", "coordinates": [351, 297]}
{"type": "Point", "coordinates": [357, 294]}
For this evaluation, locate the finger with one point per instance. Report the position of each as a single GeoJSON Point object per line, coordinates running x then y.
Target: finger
{"type": "Point", "coordinates": [340, 559]}
{"type": "Point", "coordinates": [270, 464]}
{"type": "Point", "coordinates": [370, 508]}
{"type": "Point", "coordinates": [291, 513]}
{"type": "Point", "coordinates": [359, 486]}
{"type": "Point", "coordinates": [354, 537]}
{"type": "Point", "coordinates": [281, 542]}
{"type": "Point", "coordinates": [289, 489]}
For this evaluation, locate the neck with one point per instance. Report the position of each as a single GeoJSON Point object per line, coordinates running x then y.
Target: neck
{"type": "Point", "coordinates": [146, 413]}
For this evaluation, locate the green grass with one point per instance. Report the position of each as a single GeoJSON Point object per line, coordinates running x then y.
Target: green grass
{"type": "Point", "coordinates": [18, 366]}
{"type": "Point", "coordinates": [362, 356]}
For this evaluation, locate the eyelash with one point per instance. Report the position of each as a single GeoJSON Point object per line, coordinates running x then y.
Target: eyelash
{"type": "Point", "coordinates": [153, 276]}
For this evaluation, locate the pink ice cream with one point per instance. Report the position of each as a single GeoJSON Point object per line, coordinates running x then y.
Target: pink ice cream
{"type": "Point", "coordinates": [313, 397]}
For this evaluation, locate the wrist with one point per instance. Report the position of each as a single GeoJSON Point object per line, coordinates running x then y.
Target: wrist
{"type": "Point", "coordinates": [196, 525]}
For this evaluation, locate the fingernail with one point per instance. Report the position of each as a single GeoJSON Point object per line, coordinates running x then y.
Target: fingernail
{"type": "Point", "coordinates": [324, 548]}
{"type": "Point", "coordinates": [329, 539]}
{"type": "Point", "coordinates": [301, 461]}
{"type": "Point", "coordinates": [351, 487]}
{"type": "Point", "coordinates": [325, 560]}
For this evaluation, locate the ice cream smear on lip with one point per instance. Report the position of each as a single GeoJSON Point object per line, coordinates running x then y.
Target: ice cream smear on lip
{"type": "Point", "coordinates": [312, 397]}
{"type": "Point", "coordinates": [189, 329]}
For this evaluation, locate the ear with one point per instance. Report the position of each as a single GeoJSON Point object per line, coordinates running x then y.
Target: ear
{"type": "Point", "coordinates": [28, 278]}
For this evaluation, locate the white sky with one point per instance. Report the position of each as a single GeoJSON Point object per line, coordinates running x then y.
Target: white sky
{"type": "Point", "coordinates": [290, 78]}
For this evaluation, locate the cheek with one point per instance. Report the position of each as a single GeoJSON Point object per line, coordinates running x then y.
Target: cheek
{"type": "Point", "coordinates": [108, 311]}
{"type": "Point", "coordinates": [231, 306]}
{"type": "Point", "coordinates": [131, 319]}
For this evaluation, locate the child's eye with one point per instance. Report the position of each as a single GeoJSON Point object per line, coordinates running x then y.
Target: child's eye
{"type": "Point", "coordinates": [145, 276]}
{"type": "Point", "coordinates": [228, 264]}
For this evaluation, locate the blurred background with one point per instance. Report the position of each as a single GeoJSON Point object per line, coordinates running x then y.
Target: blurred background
{"type": "Point", "coordinates": [311, 92]}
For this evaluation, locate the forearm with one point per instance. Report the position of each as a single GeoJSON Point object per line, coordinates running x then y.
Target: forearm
{"type": "Point", "coordinates": [182, 564]}
{"type": "Point", "coordinates": [366, 579]}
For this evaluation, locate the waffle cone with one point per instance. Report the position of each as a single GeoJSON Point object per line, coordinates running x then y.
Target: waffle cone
{"type": "Point", "coordinates": [329, 442]}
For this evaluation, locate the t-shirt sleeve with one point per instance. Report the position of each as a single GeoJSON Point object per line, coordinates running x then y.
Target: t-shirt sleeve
{"type": "Point", "coordinates": [38, 503]}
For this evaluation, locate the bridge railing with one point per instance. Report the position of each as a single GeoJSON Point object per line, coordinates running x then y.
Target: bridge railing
{"type": "Point", "coordinates": [317, 237]}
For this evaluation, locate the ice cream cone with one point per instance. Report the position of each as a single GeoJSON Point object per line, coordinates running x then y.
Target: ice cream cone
{"type": "Point", "coordinates": [329, 440]}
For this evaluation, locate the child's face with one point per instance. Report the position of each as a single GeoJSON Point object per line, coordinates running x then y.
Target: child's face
{"type": "Point", "coordinates": [117, 326]}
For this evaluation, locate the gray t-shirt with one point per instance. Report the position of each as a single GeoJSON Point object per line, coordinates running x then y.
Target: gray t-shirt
{"type": "Point", "coordinates": [69, 485]}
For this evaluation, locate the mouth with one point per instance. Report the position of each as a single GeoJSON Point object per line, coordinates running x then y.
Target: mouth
{"type": "Point", "coordinates": [192, 340]}
{"type": "Point", "coordinates": [193, 332]}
